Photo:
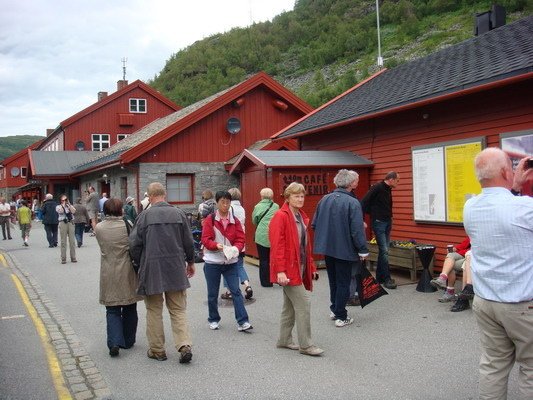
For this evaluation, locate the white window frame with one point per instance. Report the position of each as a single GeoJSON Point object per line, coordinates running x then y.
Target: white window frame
{"type": "Point", "coordinates": [23, 172]}
{"type": "Point", "coordinates": [139, 106]}
{"type": "Point", "coordinates": [121, 136]}
{"type": "Point", "coordinates": [99, 140]}
{"type": "Point", "coordinates": [180, 188]}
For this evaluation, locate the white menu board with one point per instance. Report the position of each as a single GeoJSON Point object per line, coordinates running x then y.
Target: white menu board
{"type": "Point", "coordinates": [429, 196]}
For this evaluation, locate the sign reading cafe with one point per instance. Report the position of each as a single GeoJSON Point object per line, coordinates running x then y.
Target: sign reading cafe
{"type": "Point", "coordinates": [316, 184]}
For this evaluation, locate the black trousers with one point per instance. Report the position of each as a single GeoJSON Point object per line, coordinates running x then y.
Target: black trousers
{"type": "Point", "coordinates": [5, 225]}
{"type": "Point", "coordinates": [264, 265]}
{"type": "Point", "coordinates": [51, 233]}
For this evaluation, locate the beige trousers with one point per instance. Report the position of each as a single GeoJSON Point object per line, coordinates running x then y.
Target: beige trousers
{"type": "Point", "coordinates": [67, 230]}
{"type": "Point", "coordinates": [506, 333]}
{"type": "Point", "coordinates": [296, 308]}
{"type": "Point", "coordinates": [176, 304]}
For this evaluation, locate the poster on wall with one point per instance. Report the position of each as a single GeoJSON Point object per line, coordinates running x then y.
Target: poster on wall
{"type": "Point", "coordinates": [443, 179]}
{"type": "Point", "coordinates": [519, 145]}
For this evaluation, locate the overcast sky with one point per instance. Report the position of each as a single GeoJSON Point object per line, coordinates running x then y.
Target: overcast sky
{"type": "Point", "coordinates": [56, 55]}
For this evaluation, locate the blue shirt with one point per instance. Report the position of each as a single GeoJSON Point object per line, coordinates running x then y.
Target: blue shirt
{"type": "Point", "coordinates": [500, 227]}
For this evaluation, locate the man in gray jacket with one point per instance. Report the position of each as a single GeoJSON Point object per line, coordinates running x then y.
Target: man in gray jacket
{"type": "Point", "coordinates": [340, 236]}
{"type": "Point", "coordinates": [162, 245]}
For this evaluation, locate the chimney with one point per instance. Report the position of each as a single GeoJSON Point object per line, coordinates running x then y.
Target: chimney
{"type": "Point", "coordinates": [489, 20]}
{"type": "Point", "coordinates": [49, 132]}
{"type": "Point", "coordinates": [102, 95]}
{"type": "Point", "coordinates": [121, 84]}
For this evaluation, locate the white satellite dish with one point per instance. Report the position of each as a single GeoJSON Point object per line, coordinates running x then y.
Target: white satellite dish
{"type": "Point", "coordinates": [15, 171]}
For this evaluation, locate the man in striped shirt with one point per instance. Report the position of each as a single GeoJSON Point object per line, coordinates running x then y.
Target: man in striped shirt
{"type": "Point", "coordinates": [500, 227]}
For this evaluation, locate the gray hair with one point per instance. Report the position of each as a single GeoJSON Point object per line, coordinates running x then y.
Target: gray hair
{"type": "Point", "coordinates": [345, 178]}
{"type": "Point", "coordinates": [235, 193]}
{"type": "Point", "coordinates": [48, 196]}
{"type": "Point", "coordinates": [489, 162]}
{"type": "Point", "coordinates": [266, 193]}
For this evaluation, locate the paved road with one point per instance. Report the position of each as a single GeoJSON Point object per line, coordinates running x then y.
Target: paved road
{"type": "Point", "coordinates": [403, 346]}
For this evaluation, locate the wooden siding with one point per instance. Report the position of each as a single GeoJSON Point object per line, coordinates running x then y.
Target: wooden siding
{"type": "Point", "coordinates": [208, 140]}
{"type": "Point", "coordinates": [106, 119]}
{"type": "Point", "coordinates": [20, 161]}
{"type": "Point", "coordinates": [387, 142]}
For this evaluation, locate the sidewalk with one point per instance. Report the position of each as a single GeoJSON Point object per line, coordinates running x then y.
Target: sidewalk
{"type": "Point", "coordinates": [405, 345]}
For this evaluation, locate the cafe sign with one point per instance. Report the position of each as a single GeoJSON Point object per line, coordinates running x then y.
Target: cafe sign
{"type": "Point", "coordinates": [316, 184]}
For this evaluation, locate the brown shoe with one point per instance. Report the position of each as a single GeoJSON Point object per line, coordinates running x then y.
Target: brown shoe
{"type": "Point", "coordinates": [63, 261]}
{"type": "Point", "coordinates": [185, 354]}
{"type": "Point", "coordinates": [290, 346]}
{"type": "Point", "coordinates": [312, 351]}
{"type": "Point", "coordinates": [157, 356]}
{"type": "Point", "coordinates": [74, 260]}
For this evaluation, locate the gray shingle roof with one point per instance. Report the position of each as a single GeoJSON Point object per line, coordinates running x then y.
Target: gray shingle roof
{"type": "Point", "coordinates": [274, 158]}
{"type": "Point", "coordinates": [501, 53]}
{"type": "Point", "coordinates": [47, 163]}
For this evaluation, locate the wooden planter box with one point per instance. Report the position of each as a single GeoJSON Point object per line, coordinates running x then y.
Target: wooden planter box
{"type": "Point", "coordinates": [400, 257]}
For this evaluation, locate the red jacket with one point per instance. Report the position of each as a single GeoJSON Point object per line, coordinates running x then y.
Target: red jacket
{"type": "Point", "coordinates": [213, 233]}
{"type": "Point", "coordinates": [463, 247]}
{"type": "Point", "coordinates": [285, 249]}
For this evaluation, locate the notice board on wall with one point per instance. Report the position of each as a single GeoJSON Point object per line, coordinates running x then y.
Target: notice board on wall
{"type": "Point", "coordinates": [443, 179]}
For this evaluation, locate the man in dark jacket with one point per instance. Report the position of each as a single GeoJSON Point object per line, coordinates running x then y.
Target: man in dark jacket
{"type": "Point", "coordinates": [340, 236]}
{"type": "Point", "coordinates": [162, 244]}
{"type": "Point", "coordinates": [378, 203]}
{"type": "Point", "coordinates": [50, 219]}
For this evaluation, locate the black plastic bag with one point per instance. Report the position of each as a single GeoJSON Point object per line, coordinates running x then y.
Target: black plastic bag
{"type": "Point", "coordinates": [367, 287]}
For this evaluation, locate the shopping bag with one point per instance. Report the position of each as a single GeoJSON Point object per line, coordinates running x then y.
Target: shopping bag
{"type": "Point", "coordinates": [367, 287]}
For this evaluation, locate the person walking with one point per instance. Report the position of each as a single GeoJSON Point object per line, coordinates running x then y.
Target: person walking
{"type": "Point", "coordinates": [118, 280]}
{"type": "Point", "coordinates": [340, 237]}
{"type": "Point", "coordinates": [261, 217]}
{"type": "Point", "coordinates": [5, 218]}
{"type": "Point", "coordinates": [81, 219]}
{"type": "Point", "coordinates": [292, 267]}
{"type": "Point", "coordinates": [223, 240]}
{"type": "Point", "coordinates": [161, 244]}
{"type": "Point", "coordinates": [65, 212]}
{"type": "Point", "coordinates": [93, 207]}
{"type": "Point", "coordinates": [378, 203]}
{"type": "Point", "coordinates": [24, 219]}
{"type": "Point", "coordinates": [130, 214]}
{"type": "Point", "coordinates": [500, 227]}
{"type": "Point", "coordinates": [50, 219]}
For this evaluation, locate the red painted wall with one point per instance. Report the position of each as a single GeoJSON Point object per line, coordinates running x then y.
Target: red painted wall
{"type": "Point", "coordinates": [208, 140]}
{"type": "Point", "coordinates": [106, 119]}
{"type": "Point", "coordinates": [387, 141]}
{"type": "Point", "coordinates": [19, 161]}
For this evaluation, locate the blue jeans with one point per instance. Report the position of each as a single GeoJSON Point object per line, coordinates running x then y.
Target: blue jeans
{"type": "Point", "coordinates": [382, 231]}
{"type": "Point", "coordinates": [78, 232]}
{"type": "Point", "coordinates": [212, 273]}
{"type": "Point", "coordinates": [241, 272]}
{"type": "Point", "coordinates": [121, 325]}
{"type": "Point", "coordinates": [339, 276]}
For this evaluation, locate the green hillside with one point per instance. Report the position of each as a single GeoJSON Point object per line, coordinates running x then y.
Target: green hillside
{"type": "Point", "coordinates": [12, 144]}
{"type": "Point", "coordinates": [323, 47]}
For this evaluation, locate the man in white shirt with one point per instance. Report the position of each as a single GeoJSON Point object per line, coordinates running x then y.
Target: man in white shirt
{"type": "Point", "coordinates": [5, 214]}
{"type": "Point", "coordinates": [500, 227]}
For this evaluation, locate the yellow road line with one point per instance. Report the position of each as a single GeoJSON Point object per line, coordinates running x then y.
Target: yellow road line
{"type": "Point", "coordinates": [3, 260]}
{"type": "Point", "coordinates": [53, 362]}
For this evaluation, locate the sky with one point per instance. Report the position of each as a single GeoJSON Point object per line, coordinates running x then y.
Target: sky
{"type": "Point", "coordinates": [56, 55]}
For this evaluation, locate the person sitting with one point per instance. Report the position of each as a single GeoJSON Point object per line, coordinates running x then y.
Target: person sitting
{"type": "Point", "coordinates": [453, 262]}
{"type": "Point", "coordinates": [467, 294]}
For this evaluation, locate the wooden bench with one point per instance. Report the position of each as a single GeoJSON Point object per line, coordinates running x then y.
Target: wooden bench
{"type": "Point", "coordinates": [400, 257]}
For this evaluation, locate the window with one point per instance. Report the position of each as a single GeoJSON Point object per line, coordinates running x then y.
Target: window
{"type": "Point", "coordinates": [23, 172]}
{"type": "Point", "coordinates": [121, 136]}
{"type": "Point", "coordinates": [138, 105]}
{"type": "Point", "coordinates": [100, 141]}
{"type": "Point", "coordinates": [179, 188]}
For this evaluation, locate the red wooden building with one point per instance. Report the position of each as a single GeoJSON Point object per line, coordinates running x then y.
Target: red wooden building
{"type": "Point", "coordinates": [191, 149]}
{"type": "Point", "coordinates": [111, 119]}
{"type": "Point", "coordinates": [277, 169]}
{"type": "Point", "coordinates": [427, 119]}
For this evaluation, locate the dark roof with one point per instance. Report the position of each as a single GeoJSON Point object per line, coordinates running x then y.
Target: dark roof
{"type": "Point", "coordinates": [49, 163]}
{"type": "Point", "coordinates": [498, 54]}
{"type": "Point", "coordinates": [304, 158]}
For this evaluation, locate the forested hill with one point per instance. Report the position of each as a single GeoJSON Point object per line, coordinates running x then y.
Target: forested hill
{"type": "Point", "coordinates": [13, 144]}
{"type": "Point", "coordinates": [323, 47]}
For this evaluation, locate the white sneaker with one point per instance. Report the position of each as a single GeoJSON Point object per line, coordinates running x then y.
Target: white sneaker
{"type": "Point", "coordinates": [340, 323]}
{"type": "Point", "coordinates": [332, 315]}
{"type": "Point", "coordinates": [245, 327]}
{"type": "Point", "coordinates": [213, 325]}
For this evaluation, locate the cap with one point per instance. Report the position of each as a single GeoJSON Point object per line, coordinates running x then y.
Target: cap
{"type": "Point", "coordinates": [129, 199]}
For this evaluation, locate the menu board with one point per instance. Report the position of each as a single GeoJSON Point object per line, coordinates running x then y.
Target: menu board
{"type": "Point", "coordinates": [443, 179]}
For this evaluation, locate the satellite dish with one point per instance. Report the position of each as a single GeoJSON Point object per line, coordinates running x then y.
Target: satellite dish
{"type": "Point", "coordinates": [80, 146]}
{"type": "Point", "coordinates": [233, 125]}
{"type": "Point", "coordinates": [15, 171]}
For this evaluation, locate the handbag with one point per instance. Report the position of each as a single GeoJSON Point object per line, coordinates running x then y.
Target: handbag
{"type": "Point", "coordinates": [367, 287]}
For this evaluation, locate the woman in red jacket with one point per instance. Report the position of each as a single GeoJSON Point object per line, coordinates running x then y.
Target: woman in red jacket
{"type": "Point", "coordinates": [291, 266]}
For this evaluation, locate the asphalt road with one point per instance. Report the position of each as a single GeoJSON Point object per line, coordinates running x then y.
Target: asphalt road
{"type": "Point", "coordinates": [405, 345]}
